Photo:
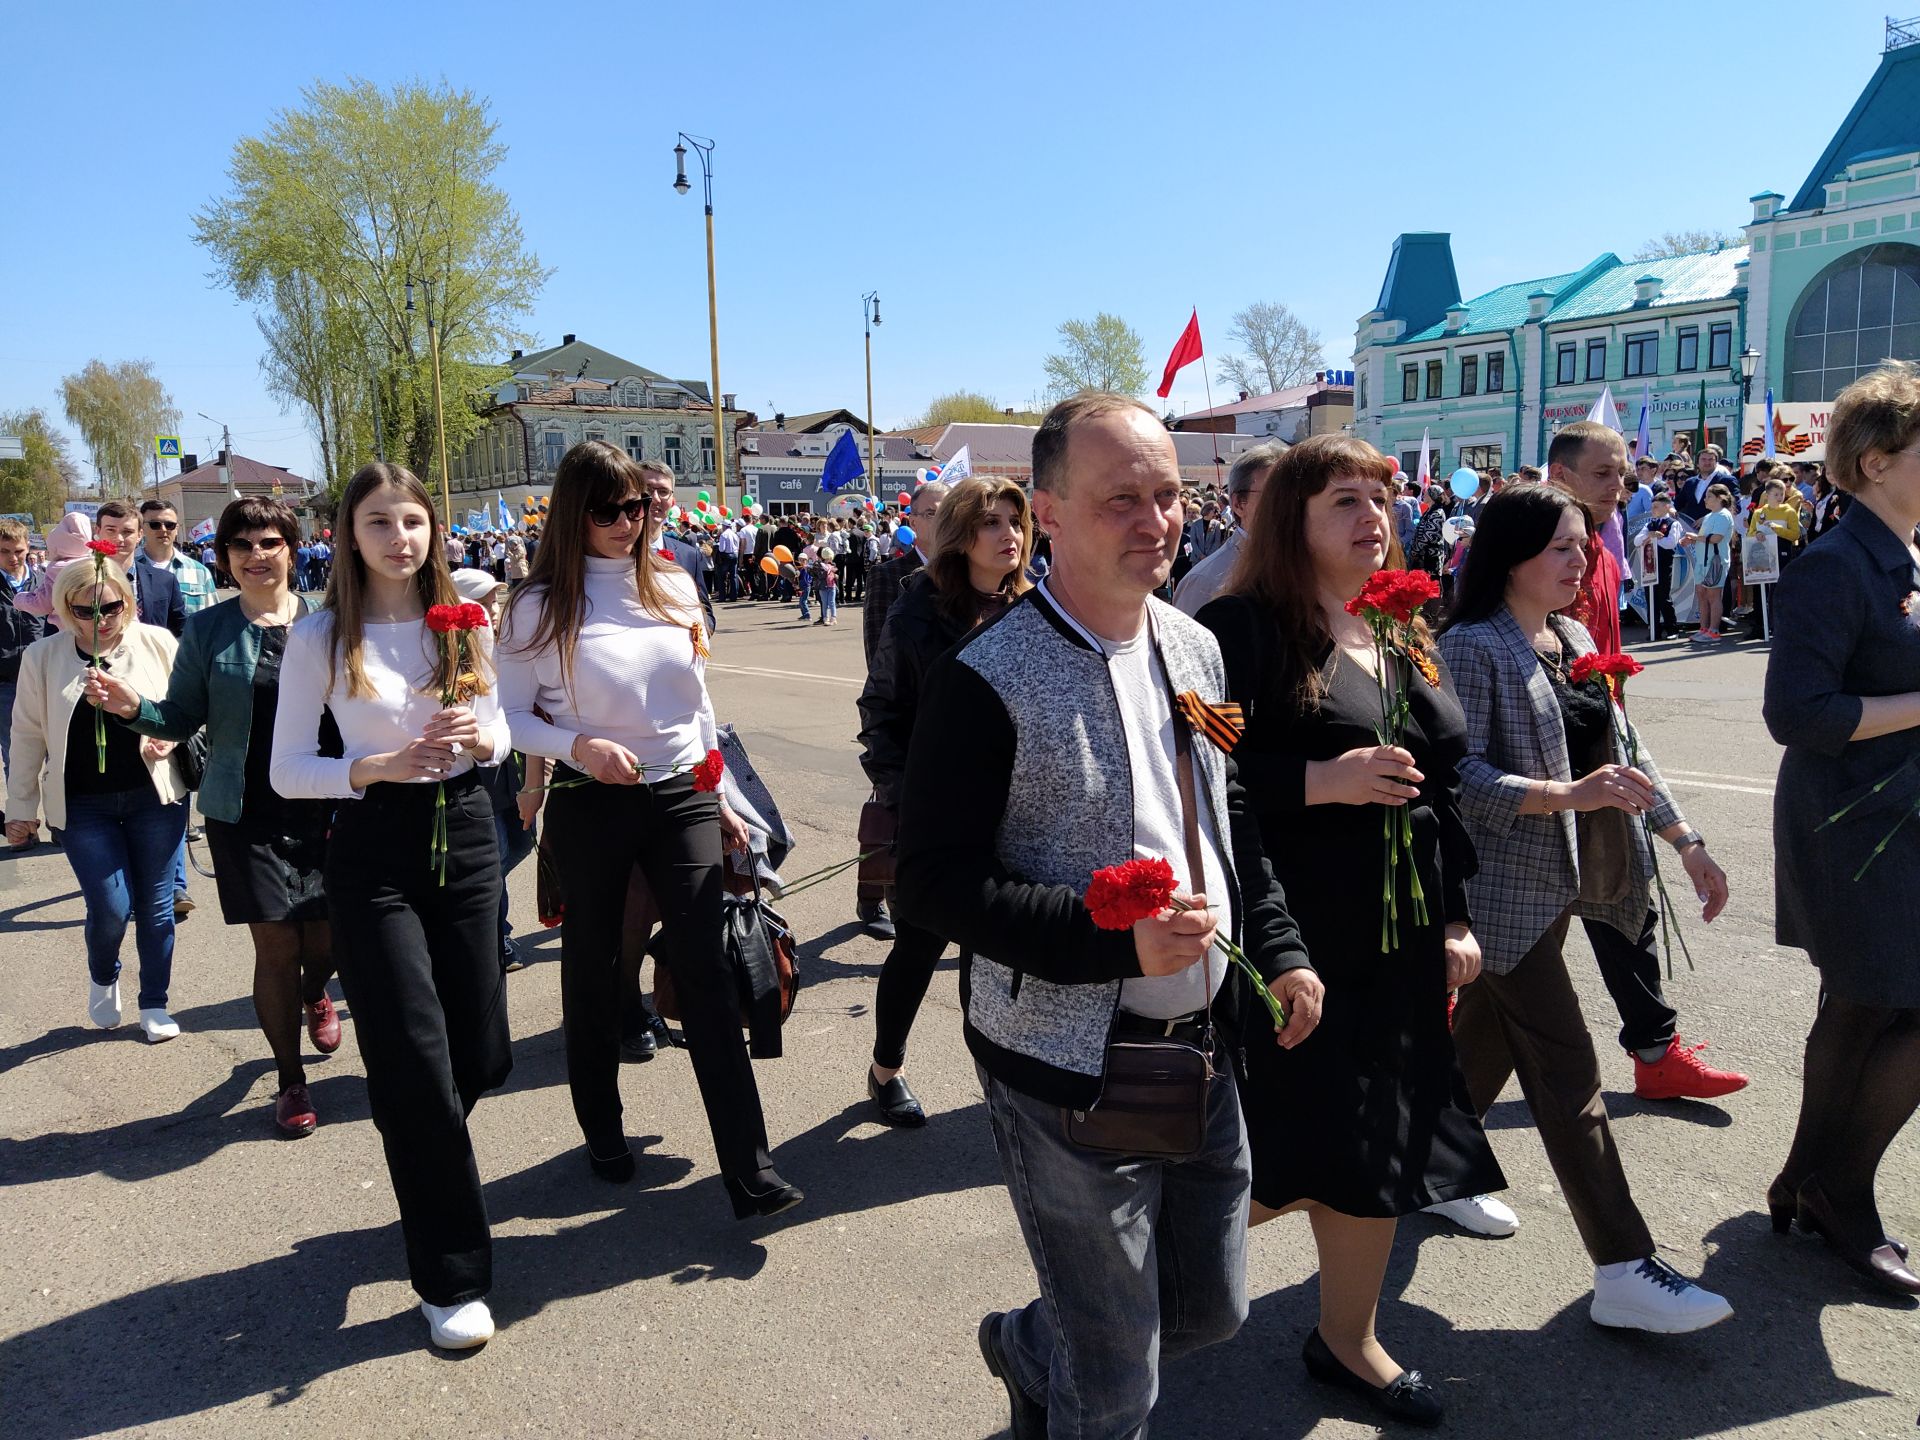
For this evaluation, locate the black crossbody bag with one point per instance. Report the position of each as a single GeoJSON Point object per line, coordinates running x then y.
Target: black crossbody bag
{"type": "Point", "coordinates": [1153, 1101]}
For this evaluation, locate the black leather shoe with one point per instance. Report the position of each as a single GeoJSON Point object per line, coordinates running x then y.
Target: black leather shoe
{"type": "Point", "coordinates": [772, 1200]}
{"type": "Point", "coordinates": [639, 1047]}
{"type": "Point", "coordinates": [1409, 1397]}
{"type": "Point", "coordinates": [898, 1105]}
{"type": "Point", "coordinates": [618, 1169]}
{"type": "Point", "coordinates": [873, 915]}
{"type": "Point", "coordinates": [1029, 1415]}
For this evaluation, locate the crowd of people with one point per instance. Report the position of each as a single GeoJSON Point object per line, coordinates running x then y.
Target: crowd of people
{"type": "Point", "coordinates": [1124, 747]}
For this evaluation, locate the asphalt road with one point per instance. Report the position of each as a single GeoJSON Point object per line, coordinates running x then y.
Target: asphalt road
{"type": "Point", "coordinates": [171, 1267]}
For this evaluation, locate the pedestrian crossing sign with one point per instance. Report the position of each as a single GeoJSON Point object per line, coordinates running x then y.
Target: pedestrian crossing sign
{"type": "Point", "coordinates": [166, 447]}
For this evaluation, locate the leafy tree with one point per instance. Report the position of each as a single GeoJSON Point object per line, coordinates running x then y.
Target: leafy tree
{"type": "Point", "coordinates": [40, 484]}
{"type": "Point", "coordinates": [969, 405]}
{"type": "Point", "coordinates": [1281, 350]}
{"type": "Point", "coordinates": [1685, 242]}
{"type": "Point", "coordinates": [330, 213]}
{"type": "Point", "coordinates": [1103, 353]}
{"type": "Point", "coordinates": [118, 409]}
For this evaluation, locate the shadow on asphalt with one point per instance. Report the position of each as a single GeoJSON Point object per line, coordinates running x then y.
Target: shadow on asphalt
{"type": "Point", "coordinates": [1514, 1114]}
{"type": "Point", "coordinates": [10, 919]}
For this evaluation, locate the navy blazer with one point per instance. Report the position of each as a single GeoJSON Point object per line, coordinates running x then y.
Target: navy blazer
{"type": "Point", "coordinates": [18, 630]}
{"type": "Point", "coordinates": [695, 564]}
{"type": "Point", "coordinates": [161, 602]}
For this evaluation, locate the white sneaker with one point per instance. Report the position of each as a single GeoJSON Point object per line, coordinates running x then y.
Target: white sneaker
{"type": "Point", "coordinates": [103, 1004]}
{"type": "Point", "coordinates": [1481, 1214]}
{"type": "Point", "coordinates": [158, 1025]}
{"type": "Point", "coordinates": [458, 1327]}
{"type": "Point", "coordinates": [1652, 1295]}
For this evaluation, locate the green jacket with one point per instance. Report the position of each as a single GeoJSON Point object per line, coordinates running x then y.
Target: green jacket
{"type": "Point", "coordinates": [212, 685]}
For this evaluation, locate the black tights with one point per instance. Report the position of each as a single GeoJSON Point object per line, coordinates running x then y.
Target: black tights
{"type": "Point", "coordinates": [903, 985]}
{"type": "Point", "coordinates": [1860, 1087]}
{"type": "Point", "coordinates": [292, 962]}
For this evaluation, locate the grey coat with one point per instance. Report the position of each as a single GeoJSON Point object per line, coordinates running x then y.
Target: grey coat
{"type": "Point", "coordinates": [1529, 864]}
{"type": "Point", "coordinates": [1840, 633]}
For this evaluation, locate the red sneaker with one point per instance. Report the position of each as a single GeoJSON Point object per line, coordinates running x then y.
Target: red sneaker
{"type": "Point", "coordinates": [323, 1025]}
{"type": "Point", "coordinates": [1680, 1074]}
{"type": "Point", "coordinates": [293, 1112]}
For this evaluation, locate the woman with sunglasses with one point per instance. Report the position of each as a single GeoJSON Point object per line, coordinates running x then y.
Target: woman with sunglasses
{"type": "Point", "coordinates": [607, 641]}
{"type": "Point", "coordinates": [416, 929]}
{"type": "Point", "coordinates": [267, 852]}
{"type": "Point", "coordinates": [113, 803]}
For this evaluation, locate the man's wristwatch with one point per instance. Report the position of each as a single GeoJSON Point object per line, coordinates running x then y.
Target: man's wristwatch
{"type": "Point", "coordinates": [1689, 837]}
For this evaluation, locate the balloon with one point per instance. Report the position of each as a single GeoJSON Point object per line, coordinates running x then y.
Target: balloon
{"type": "Point", "coordinates": [673, 512]}
{"type": "Point", "coordinates": [873, 502]}
{"type": "Point", "coordinates": [903, 535]}
{"type": "Point", "coordinates": [724, 512]}
{"type": "Point", "coordinates": [905, 500]}
{"type": "Point", "coordinates": [702, 496]}
{"type": "Point", "coordinates": [783, 555]}
{"type": "Point", "coordinates": [747, 502]}
{"type": "Point", "coordinates": [1465, 483]}
{"type": "Point", "coordinates": [326, 534]}
{"type": "Point", "coordinates": [769, 564]}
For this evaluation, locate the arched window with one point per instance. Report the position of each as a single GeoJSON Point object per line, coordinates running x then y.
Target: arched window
{"type": "Point", "coordinates": [1860, 310]}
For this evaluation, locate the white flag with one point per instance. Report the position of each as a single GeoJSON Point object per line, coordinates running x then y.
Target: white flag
{"type": "Point", "coordinates": [958, 468]}
{"type": "Point", "coordinates": [1604, 411]}
{"type": "Point", "coordinates": [1425, 477]}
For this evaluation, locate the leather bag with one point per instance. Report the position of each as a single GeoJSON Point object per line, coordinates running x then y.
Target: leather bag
{"type": "Point", "coordinates": [1607, 861]}
{"type": "Point", "coordinates": [758, 950]}
{"type": "Point", "coordinates": [878, 841]}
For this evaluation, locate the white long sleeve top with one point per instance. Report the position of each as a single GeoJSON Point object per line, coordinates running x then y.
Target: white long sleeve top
{"type": "Point", "coordinates": [399, 660]}
{"type": "Point", "coordinates": [637, 680]}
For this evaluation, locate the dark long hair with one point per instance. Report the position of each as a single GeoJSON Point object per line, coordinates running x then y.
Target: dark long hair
{"type": "Point", "coordinates": [1275, 567]}
{"type": "Point", "coordinates": [1515, 525]}
{"type": "Point", "coordinates": [962, 514]}
{"type": "Point", "coordinates": [591, 473]}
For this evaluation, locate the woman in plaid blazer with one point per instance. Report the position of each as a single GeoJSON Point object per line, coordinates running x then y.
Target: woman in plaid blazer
{"type": "Point", "coordinates": [1539, 749]}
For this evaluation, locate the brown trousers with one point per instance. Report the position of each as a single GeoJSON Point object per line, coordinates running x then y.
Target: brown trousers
{"type": "Point", "coordinates": [1528, 1022]}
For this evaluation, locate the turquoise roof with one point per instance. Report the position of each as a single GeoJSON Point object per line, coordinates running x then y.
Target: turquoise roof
{"type": "Point", "coordinates": [1500, 309]}
{"type": "Point", "coordinates": [1885, 120]}
{"type": "Point", "coordinates": [1420, 282]}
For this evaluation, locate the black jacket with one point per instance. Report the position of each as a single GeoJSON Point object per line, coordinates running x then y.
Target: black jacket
{"type": "Point", "coordinates": [916, 634]}
{"type": "Point", "coordinates": [161, 602]}
{"type": "Point", "coordinates": [883, 588]}
{"type": "Point", "coordinates": [18, 630]}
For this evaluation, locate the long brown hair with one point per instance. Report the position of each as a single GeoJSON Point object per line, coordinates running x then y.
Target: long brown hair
{"type": "Point", "coordinates": [962, 515]}
{"type": "Point", "coordinates": [591, 473]}
{"type": "Point", "coordinates": [346, 587]}
{"type": "Point", "coordinates": [1275, 567]}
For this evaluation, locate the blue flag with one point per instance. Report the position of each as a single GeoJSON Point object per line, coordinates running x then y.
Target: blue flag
{"type": "Point", "coordinates": [843, 465]}
{"type": "Point", "coordinates": [500, 502]}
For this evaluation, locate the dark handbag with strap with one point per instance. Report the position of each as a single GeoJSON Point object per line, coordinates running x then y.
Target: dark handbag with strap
{"type": "Point", "coordinates": [759, 952]}
{"type": "Point", "coordinates": [1153, 1098]}
{"type": "Point", "coordinates": [190, 760]}
{"type": "Point", "coordinates": [879, 830]}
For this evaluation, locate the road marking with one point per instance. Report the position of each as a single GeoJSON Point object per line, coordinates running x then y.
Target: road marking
{"type": "Point", "coordinates": [1688, 784]}
{"type": "Point", "coordinates": [787, 674]}
{"type": "Point", "coordinates": [1707, 775]}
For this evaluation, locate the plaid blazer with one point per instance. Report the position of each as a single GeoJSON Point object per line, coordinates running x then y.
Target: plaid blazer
{"type": "Point", "coordinates": [1529, 864]}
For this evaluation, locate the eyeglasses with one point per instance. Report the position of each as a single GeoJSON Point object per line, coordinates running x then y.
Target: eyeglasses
{"type": "Point", "coordinates": [168, 525]}
{"type": "Point", "coordinates": [107, 611]}
{"type": "Point", "coordinates": [269, 545]}
{"type": "Point", "coordinates": [606, 515]}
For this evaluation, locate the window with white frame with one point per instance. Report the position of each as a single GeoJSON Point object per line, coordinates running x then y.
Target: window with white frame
{"type": "Point", "coordinates": [636, 447]}
{"type": "Point", "coordinates": [670, 452]}
{"type": "Point", "coordinates": [553, 447]}
{"type": "Point", "coordinates": [1496, 373]}
{"type": "Point", "coordinates": [706, 453]}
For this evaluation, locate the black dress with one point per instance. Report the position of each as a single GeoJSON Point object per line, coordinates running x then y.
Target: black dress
{"type": "Point", "coordinates": [1370, 1115]}
{"type": "Point", "coordinates": [267, 864]}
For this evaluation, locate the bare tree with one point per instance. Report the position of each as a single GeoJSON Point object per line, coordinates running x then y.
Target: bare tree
{"type": "Point", "coordinates": [1104, 353]}
{"type": "Point", "coordinates": [1281, 350]}
{"type": "Point", "coordinates": [1685, 242]}
{"type": "Point", "coordinates": [118, 409]}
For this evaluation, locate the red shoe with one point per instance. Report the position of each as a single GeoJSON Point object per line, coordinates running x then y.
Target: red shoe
{"type": "Point", "coordinates": [1680, 1074]}
{"type": "Point", "coordinates": [323, 1025]}
{"type": "Point", "coordinates": [293, 1112]}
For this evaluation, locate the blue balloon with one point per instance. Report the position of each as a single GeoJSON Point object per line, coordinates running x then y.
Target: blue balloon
{"type": "Point", "coordinates": [1465, 483]}
{"type": "Point", "coordinates": [904, 535]}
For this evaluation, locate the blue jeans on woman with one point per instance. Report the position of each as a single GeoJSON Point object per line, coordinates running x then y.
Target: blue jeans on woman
{"type": "Point", "coordinates": [122, 848]}
{"type": "Point", "coordinates": [829, 602]}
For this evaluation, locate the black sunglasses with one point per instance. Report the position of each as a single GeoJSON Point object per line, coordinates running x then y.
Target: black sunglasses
{"type": "Point", "coordinates": [163, 524]}
{"type": "Point", "coordinates": [272, 545]}
{"type": "Point", "coordinates": [106, 611]}
{"type": "Point", "coordinates": [605, 515]}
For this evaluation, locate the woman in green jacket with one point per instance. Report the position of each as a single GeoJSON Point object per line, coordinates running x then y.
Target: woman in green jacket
{"type": "Point", "coordinates": [267, 851]}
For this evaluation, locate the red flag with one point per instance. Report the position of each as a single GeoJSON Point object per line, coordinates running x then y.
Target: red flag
{"type": "Point", "coordinates": [1186, 350]}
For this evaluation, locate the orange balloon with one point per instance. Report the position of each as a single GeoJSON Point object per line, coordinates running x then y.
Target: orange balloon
{"type": "Point", "coordinates": [783, 555]}
{"type": "Point", "coordinates": [769, 564]}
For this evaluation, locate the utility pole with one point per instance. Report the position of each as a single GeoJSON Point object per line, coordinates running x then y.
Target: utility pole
{"type": "Point", "coordinates": [439, 413]}
{"type": "Point", "coordinates": [704, 148]}
{"type": "Point", "coordinates": [870, 312]}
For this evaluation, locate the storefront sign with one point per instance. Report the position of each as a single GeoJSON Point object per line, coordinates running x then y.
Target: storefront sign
{"type": "Point", "coordinates": [1799, 430]}
{"type": "Point", "coordinates": [1666, 407]}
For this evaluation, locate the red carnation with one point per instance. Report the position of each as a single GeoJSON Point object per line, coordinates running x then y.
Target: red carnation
{"type": "Point", "coordinates": [706, 775]}
{"type": "Point", "coordinates": [664, 553]}
{"type": "Point", "coordinates": [473, 616]}
{"type": "Point", "coordinates": [1122, 895]}
{"type": "Point", "coordinates": [1394, 595]}
{"type": "Point", "coordinates": [103, 547]}
{"type": "Point", "coordinates": [443, 619]}
{"type": "Point", "coordinates": [1607, 666]}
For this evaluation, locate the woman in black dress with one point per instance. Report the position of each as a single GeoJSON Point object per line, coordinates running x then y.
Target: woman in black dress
{"type": "Point", "coordinates": [1370, 1120]}
{"type": "Point", "coordinates": [1843, 695]}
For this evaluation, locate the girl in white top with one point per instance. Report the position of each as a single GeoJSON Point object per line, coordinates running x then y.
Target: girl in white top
{"type": "Point", "coordinates": [603, 667]}
{"type": "Point", "coordinates": [415, 931]}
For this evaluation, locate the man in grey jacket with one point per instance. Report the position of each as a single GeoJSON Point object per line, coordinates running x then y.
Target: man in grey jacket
{"type": "Point", "coordinates": [1046, 749]}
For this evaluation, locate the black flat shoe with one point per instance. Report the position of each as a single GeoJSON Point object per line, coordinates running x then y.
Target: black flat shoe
{"type": "Point", "coordinates": [618, 1169]}
{"type": "Point", "coordinates": [1029, 1416]}
{"type": "Point", "coordinates": [875, 921]}
{"type": "Point", "coordinates": [1409, 1397]}
{"type": "Point", "coordinates": [898, 1105]}
{"type": "Point", "coordinates": [638, 1048]}
{"type": "Point", "coordinates": [771, 1201]}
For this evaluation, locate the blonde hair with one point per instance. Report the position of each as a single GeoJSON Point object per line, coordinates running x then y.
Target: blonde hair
{"type": "Point", "coordinates": [1879, 411]}
{"type": "Point", "coordinates": [78, 575]}
{"type": "Point", "coordinates": [11, 529]}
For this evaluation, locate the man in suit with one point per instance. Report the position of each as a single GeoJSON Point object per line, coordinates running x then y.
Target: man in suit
{"type": "Point", "coordinates": [1691, 498]}
{"type": "Point", "coordinates": [656, 481]}
{"type": "Point", "coordinates": [157, 594]}
{"type": "Point", "coordinates": [884, 583]}
{"type": "Point", "coordinates": [18, 629]}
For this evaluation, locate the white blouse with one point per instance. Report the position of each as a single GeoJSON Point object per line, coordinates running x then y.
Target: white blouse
{"type": "Point", "coordinates": [399, 660]}
{"type": "Point", "coordinates": [637, 680]}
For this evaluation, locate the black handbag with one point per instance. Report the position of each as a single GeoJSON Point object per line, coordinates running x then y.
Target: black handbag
{"type": "Point", "coordinates": [758, 949]}
{"type": "Point", "coordinates": [878, 839]}
{"type": "Point", "coordinates": [190, 760]}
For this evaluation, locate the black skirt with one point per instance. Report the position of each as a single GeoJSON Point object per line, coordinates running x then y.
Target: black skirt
{"type": "Point", "coordinates": [267, 869]}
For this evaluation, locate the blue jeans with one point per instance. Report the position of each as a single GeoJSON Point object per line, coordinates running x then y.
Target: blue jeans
{"type": "Point", "coordinates": [122, 848]}
{"type": "Point", "coordinates": [1119, 1245]}
{"type": "Point", "coordinates": [829, 601]}
{"type": "Point", "coordinates": [515, 845]}
{"type": "Point", "coordinates": [806, 591]}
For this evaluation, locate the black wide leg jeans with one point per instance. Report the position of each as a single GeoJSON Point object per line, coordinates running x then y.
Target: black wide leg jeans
{"type": "Point", "coordinates": [672, 832]}
{"type": "Point", "coordinates": [420, 964]}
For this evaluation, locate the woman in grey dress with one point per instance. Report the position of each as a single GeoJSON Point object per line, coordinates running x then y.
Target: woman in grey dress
{"type": "Point", "coordinates": [1843, 695]}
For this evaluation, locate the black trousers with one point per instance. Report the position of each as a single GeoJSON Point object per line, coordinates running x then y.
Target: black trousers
{"type": "Point", "coordinates": [599, 833]}
{"type": "Point", "coordinates": [903, 985]}
{"type": "Point", "coordinates": [1631, 971]}
{"type": "Point", "coordinates": [420, 964]}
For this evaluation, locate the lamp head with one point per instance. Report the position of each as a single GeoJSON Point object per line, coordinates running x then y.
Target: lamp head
{"type": "Point", "coordinates": [409, 297]}
{"type": "Point", "coordinates": [680, 169]}
{"type": "Point", "coordinates": [876, 307]}
{"type": "Point", "coordinates": [1749, 361]}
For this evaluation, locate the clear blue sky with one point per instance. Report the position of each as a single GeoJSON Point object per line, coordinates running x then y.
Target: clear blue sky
{"type": "Point", "coordinates": [991, 169]}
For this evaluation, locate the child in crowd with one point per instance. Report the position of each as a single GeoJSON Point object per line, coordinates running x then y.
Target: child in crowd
{"type": "Point", "coordinates": [827, 582]}
{"type": "Point", "coordinates": [1715, 554]}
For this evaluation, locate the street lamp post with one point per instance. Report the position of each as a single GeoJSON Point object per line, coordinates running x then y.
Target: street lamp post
{"type": "Point", "coordinates": [704, 149]}
{"type": "Point", "coordinates": [1749, 362]}
{"type": "Point", "coordinates": [439, 414]}
{"type": "Point", "coordinates": [870, 312]}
